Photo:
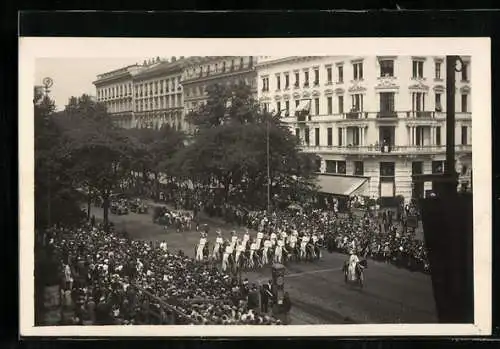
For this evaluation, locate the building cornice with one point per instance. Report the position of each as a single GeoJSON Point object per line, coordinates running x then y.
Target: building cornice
{"type": "Point", "coordinates": [291, 59]}
{"type": "Point", "coordinates": [229, 74]}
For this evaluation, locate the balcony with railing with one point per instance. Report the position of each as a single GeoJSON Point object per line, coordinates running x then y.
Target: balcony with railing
{"type": "Point", "coordinates": [387, 114]}
{"type": "Point", "coordinates": [378, 149]}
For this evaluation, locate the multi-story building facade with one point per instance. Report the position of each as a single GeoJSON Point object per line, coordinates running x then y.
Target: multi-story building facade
{"type": "Point", "coordinates": [115, 90]}
{"type": "Point", "coordinates": [378, 118]}
{"type": "Point", "coordinates": [158, 95]}
{"type": "Point", "coordinates": [201, 72]}
{"type": "Point", "coordinates": [162, 91]}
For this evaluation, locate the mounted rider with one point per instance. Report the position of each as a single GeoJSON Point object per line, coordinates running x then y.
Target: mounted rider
{"type": "Point", "coordinates": [225, 257]}
{"type": "Point", "coordinates": [278, 252]}
{"type": "Point", "coordinates": [219, 242]}
{"type": "Point", "coordinates": [234, 238]}
{"type": "Point", "coordinates": [303, 245]}
{"type": "Point", "coordinates": [265, 252]}
{"type": "Point", "coordinates": [201, 246]}
{"type": "Point", "coordinates": [240, 248]}
{"type": "Point", "coordinates": [354, 267]}
{"type": "Point", "coordinates": [273, 238]}
{"type": "Point", "coordinates": [246, 238]}
{"type": "Point", "coordinates": [260, 237]}
{"type": "Point", "coordinates": [315, 247]}
{"type": "Point", "coordinates": [253, 248]}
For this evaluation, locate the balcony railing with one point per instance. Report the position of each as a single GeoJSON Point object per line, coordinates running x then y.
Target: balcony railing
{"type": "Point", "coordinates": [380, 116]}
{"type": "Point", "coordinates": [353, 115]}
{"type": "Point", "coordinates": [387, 115]}
{"type": "Point", "coordinates": [377, 149]}
{"type": "Point", "coordinates": [420, 114]}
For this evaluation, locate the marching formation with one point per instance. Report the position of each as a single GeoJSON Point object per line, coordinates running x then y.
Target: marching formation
{"type": "Point", "coordinates": [249, 253]}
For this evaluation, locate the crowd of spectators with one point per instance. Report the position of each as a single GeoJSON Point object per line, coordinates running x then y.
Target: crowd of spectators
{"type": "Point", "coordinates": [383, 235]}
{"type": "Point", "coordinates": [108, 279]}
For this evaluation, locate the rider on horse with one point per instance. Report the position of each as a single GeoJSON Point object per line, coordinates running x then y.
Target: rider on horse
{"type": "Point", "coordinates": [265, 251]}
{"type": "Point", "coordinates": [353, 267]}
{"type": "Point", "coordinates": [218, 244]}
{"type": "Point", "coordinates": [253, 249]}
{"type": "Point", "coordinates": [201, 246]}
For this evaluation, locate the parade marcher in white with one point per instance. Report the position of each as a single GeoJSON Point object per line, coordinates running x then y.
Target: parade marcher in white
{"type": "Point", "coordinates": [253, 248]}
{"type": "Point", "coordinates": [273, 238]}
{"type": "Point", "coordinates": [303, 245]}
{"type": "Point", "coordinates": [265, 252]}
{"type": "Point", "coordinates": [246, 238]}
{"type": "Point", "coordinates": [352, 263]}
{"type": "Point", "coordinates": [200, 247]}
{"type": "Point", "coordinates": [260, 236]}
{"type": "Point", "coordinates": [278, 252]}
{"type": "Point", "coordinates": [225, 257]}
{"type": "Point", "coordinates": [315, 242]}
{"type": "Point", "coordinates": [240, 248]}
{"type": "Point", "coordinates": [234, 238]}
{"type": "Point", "coordinates": [218, 243]}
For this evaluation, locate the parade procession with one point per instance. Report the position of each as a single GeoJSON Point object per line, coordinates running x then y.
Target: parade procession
{"type": "Point", "coordinates": [187, 191]}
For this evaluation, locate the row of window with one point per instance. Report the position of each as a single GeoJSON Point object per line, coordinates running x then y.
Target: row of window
{"type": "Point", "coordinates": [123, 90]}
{"type": "Point", "coordinates": [386, 169]}
{"type": "Point", "coordinates": [141, 89]}
{"type": "Point", "coordinates": [159, 103]}
{"type": "Point", "coordinates": [352, 136]}
{"type": "Point", "coordinates": [387, 103]}
{"type": "Point", "coordinates": [158, 87]}
{"type": "Point", "coordinates": [223, 67]}
{"type": "Point", "coordinates": [386, 70]}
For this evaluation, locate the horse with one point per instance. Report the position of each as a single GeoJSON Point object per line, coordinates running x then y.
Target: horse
{"type": "Point", "coordinates": [353, 272]}
{"type": "Point", "coordinates": [217, 251]}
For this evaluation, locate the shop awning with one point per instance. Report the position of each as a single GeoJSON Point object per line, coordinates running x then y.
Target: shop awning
{"type": "Point", "coordinates": [342, 185]}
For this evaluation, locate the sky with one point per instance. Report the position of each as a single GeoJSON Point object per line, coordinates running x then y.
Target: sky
{"type": "Point", "coordinates": [74, 76]}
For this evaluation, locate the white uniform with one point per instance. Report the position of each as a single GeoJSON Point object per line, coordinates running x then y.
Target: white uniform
{"type": "Point", "coordinates": [273, 238]}
{"type": "Point", "coordinates": [225, 257]}
{"type": "Point", "coordinates": [246, 237]}
{"type": "Point", "coordinates": [260, 236]}
{"type": "Point", "coordinates": [278, 252]}
{"type": "Point", "coordinates": [218, 243]}
{"type": "Point", "coordinates": [267, 245]}
{"type": "Point", "coordinates": [234, 238]}
{"type": "Point", "coordinates": [239, 249]}
{"type": "Point", "coordinates": [199, 250]}
{"type": "Point", "coordinates": [353, 259]}
{"type": "Point", "coordinates": [303, 245]}
{"type": "Point", "coordinates": [293, 241]}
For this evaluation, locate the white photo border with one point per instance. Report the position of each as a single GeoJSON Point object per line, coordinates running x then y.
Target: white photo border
{"type": "Point", "coordinates": [479, 49]}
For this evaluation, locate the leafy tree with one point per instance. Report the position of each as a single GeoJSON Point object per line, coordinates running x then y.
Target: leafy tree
{"type": "Point", "coordinates": [230, 149]}
{"type": "Point", "coordinates": [152, 151]}
{"type": "Point", "coordinates": [100, 151]}
{"type": "Point", "coordinates": [56, 201]}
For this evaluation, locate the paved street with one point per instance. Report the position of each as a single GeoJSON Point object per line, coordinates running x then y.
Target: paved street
{"type": "Point", "coordinates": [317, 290]}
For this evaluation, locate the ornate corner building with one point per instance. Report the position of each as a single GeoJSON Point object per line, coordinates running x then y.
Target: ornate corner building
{"type": "Point", "coordinates": [374, 121]}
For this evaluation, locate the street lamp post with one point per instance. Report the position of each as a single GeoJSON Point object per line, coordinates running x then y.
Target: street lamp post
{"type": "Point", "coordinates": [47, 83]}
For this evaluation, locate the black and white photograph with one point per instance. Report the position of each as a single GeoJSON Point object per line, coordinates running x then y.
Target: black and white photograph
{"type": "Point", "coordinates": [317, 188]}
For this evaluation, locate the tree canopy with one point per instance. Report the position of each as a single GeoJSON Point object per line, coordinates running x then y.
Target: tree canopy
{"type": "Point", "coordinates": [230, 148]}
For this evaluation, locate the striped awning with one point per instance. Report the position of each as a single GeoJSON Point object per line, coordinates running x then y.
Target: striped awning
{"type": "Point", "coordinates": [343, 185]}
